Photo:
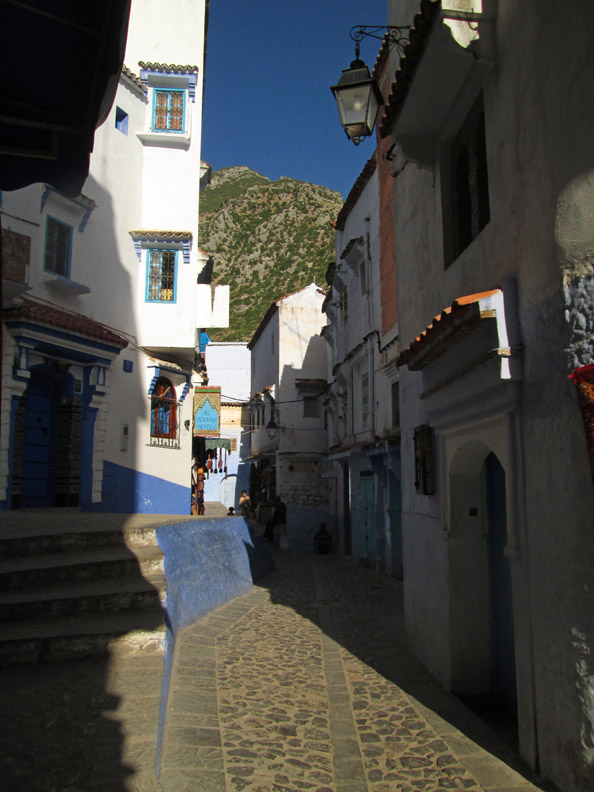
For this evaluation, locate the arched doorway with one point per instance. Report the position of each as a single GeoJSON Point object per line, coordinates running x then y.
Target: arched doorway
{"type": "Point", "coordinates": [481, 598]}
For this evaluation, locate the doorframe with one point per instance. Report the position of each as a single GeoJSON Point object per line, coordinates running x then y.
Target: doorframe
{"type": "Point", "coordinates": [500, 433]}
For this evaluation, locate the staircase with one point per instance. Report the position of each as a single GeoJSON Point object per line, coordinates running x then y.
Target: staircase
{"type": "Point", "coordinates": [80, 585]}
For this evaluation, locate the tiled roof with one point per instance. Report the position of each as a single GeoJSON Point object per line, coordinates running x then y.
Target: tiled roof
{"type": "Point", "coordinates": [168, 67]}
{"type": "Point", "coordinates": [355, 192]}
{"type": "Point", "coordinates": [413, 52]}
{"type": "Point", "coordinates": [162, 234]}
{"type": "Point", "coordinates": [446, 329]}
{"type": "Point", "coordinates": [167, 364]}
{"type": "Point", "coordinates": [65, 320]}
{"type": "Point", "coordinates": [126, 72]}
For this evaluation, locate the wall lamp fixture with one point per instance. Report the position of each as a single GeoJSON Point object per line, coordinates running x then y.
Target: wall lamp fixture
{"type": "Point", "coordinates": [357, 93]}
{"type": "Point", "coordinates": [271, 429]}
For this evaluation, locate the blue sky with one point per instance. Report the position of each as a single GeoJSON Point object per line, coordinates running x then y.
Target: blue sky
{"type": "Point", "coordinates": [268, 103]}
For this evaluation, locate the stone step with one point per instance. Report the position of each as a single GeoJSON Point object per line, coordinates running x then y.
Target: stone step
{"type": "Point", "coordinates": [40, 536]}
{"type": "Point", "coordinates": [79, 567]}
{"type": "Point", "coordinates": [102, 596]}
{"type": "Point", "coordinates": [130, 632]}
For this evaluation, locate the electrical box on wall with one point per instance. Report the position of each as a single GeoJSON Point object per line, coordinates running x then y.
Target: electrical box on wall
{"type": "Point", "coordinates": [424, 460]}
{"type": "Point", "coordinates": [124, 432]}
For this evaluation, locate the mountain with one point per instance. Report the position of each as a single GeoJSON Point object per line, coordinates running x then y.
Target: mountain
{"type": "Point", "coordinates": [267, 238]}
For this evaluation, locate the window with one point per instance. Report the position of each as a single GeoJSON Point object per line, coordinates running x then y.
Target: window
{"type": "Point", "coordinates": [121, 120]}
{"type": "Point", "coordinates": [365, 398]}
{"type": "Point", "coordinates": [58, 247]}
{"type": "Point", "coordinates": [163, 414]}
{"type": "Point", "coordinates": [272, 344]}
{"type": "Point", "coordinates": [161, 276]}
{"type": "Point", "coordinates": [310, 407]}
{"type": "Point", "coordinates": [467, 187]}
{"type": "Point", "coordinates": [168, 110]}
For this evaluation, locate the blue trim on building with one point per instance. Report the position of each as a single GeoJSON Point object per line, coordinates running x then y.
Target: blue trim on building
{"type": "Point", "coordinates": [169, 91]}
{"type": "Point", "coordinates": [131, 491]}
{"type": "Point", "coordinates": [22, 325]}
{"type": "Point", "coordinates": [148, 268]}
{"type": "Point", "coordinates": [121, 120]}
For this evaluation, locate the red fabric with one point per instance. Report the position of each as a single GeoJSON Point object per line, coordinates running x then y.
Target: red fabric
{"type": "Point", "coordinates": [583, 379]}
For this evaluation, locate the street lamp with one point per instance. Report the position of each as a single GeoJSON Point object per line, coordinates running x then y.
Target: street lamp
{"type": "Point", "coordinates": [271, 429]}
{"type": "Point", "coordinates": [357, 93]}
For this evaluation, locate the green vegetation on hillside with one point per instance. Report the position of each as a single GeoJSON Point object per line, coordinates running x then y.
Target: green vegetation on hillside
{"type": "Point", "coordinates": [224, 189]}
{"type": "Point", "coordinates": [268, 239]}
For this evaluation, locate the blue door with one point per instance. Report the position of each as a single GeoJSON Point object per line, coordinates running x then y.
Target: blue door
{"type": "Point", "coordinates": [39, 445]}
{"type": "Point", "coordinates": [367, 517]}
{"type": "Point", "coordinates": [503, 658]}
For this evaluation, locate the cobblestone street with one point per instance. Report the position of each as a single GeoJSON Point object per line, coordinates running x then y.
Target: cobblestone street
{"type": "Point", "coordinates": [305, 684]}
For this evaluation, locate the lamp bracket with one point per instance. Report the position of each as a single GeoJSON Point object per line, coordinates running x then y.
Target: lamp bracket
{"type": "Point", "coordinates": [397, 35]}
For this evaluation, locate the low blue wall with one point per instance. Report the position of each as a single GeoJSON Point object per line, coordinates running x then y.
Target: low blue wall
{"type": "Point", "coordinates": [207, 563]}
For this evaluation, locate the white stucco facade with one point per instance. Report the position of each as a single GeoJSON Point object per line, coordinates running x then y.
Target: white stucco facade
{"type": "Point", "coordinates": [363, 458]}
{"type": "Point", "coordinates": [288, 384]}
{"type": "Point", "coordinates": [507, 507]}
{"type": "Point", "coordinates": [125, 257]}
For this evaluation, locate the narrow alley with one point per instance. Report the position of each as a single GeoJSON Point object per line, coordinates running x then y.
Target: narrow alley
{"type": "Point", "coordinates": [303, 683]}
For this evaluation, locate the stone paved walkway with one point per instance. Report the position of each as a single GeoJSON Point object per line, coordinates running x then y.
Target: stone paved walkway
{"type": "Point", "coordinates": [305, 684]}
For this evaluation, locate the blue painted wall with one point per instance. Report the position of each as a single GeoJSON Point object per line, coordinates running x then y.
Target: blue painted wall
{"type": "Point", "coordinates": [207, 563]}
{"type": "Point", "coordinates": [129, 491]}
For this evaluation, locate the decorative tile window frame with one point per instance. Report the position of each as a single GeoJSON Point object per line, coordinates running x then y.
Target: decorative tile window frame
{"type": "Point", "coordinates": [165, 240]}
{"type": "Point", "coordinates": [172, 372]}
{"type": "Point", "coordinates": [179, 379]}
{"type": "Point", "coordinates": [157, 77]}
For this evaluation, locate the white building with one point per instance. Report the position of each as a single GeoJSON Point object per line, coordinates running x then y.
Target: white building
{"type": "Point", "coordinates": [491, 112]}
{"type": "Point", "coordinates": [228, 366]}
{"type": "Point", "coordinates": [102, 318]}
{"type": "Point", "coordinates": [288, 434]}
{"type": "Point", "coordinates": [364, 441]}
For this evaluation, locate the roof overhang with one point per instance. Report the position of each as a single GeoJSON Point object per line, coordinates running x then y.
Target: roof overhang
{"type": "Point", "coordinates": [467, 334]}
{"type": "Point", "coordinates": [59, 78]}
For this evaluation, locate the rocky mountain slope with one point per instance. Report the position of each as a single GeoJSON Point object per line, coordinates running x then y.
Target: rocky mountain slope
{"type": "Point", "coordinates": [267, 238]}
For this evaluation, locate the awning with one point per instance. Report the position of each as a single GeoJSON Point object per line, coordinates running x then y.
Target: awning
{"type": "Point", "coordinates": [450, 326]}
{"type": "Point", "coordinates": [217, 442]}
